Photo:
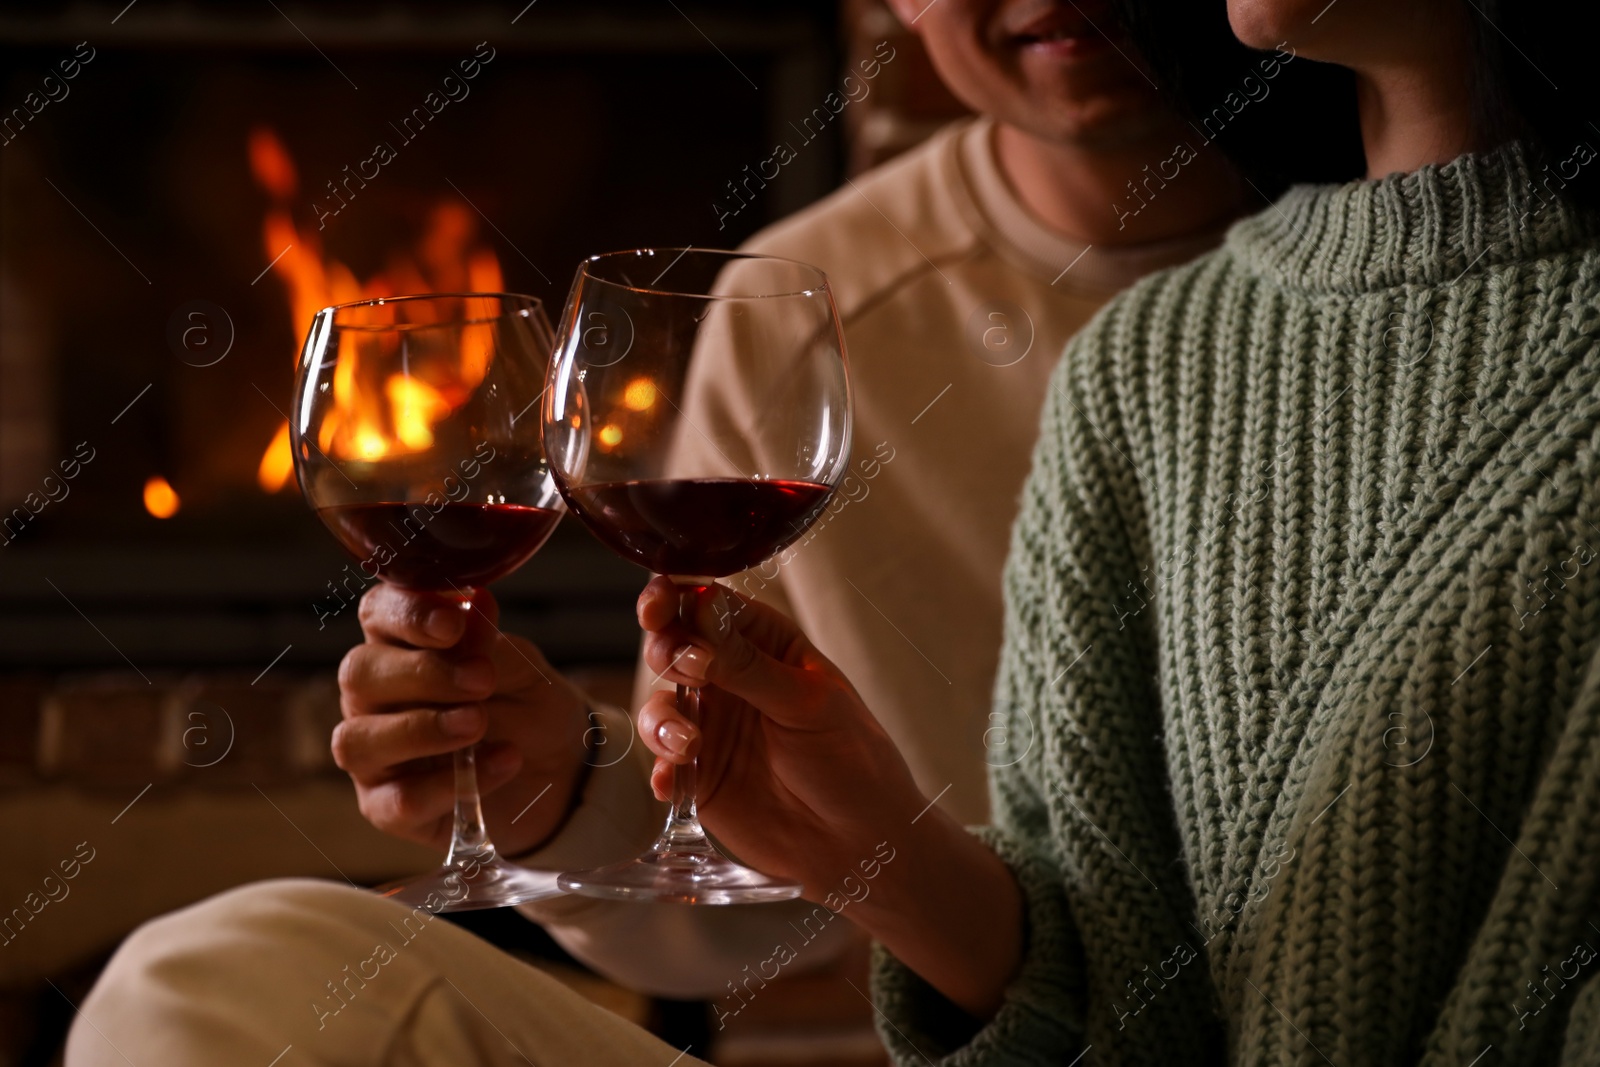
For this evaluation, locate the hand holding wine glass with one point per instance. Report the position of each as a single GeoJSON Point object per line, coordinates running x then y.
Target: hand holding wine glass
{"type": "Point", "coordinates": [796, 776]}
{"type": "Point", "coordinates": [799, 779]}
{"type": "Point", "coordinates": [405, 441]}
{"type": "Point", "coordinates": [431, 678]}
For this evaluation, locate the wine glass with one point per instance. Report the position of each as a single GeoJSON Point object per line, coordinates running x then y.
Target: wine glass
{"type": "Point", "coordinates": [415, 439]}
{"type": "Point", "coordinates": [697, 419]}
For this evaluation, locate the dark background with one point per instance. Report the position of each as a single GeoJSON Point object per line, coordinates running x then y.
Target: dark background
{"type": "Point", "coordinates": [596, 126]}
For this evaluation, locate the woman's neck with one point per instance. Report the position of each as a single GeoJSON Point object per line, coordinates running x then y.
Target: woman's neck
{"type": "Point", "coordinates": [1409, 120]}
{"type": "Point", "coordinates": [1415, 100]}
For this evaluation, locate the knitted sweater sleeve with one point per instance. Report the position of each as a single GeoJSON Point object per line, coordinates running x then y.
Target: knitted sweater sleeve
{"type": "Point", "coordinates": [1070, 542]}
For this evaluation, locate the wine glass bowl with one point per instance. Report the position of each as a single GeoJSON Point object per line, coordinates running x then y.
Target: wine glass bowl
{"type": "Point", "coordinates": [402, 397]}
{"type": "Point", "coordinates": [697, 419]}
{"type": "Point", "coordinates": [415, 438]}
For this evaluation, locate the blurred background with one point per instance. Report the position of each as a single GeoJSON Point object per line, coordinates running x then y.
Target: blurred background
{"type": "Point", "coordinates": [171, 215]}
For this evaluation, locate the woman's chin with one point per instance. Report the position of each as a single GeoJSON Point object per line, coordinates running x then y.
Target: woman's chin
{"type": "Point", "coordinates": [1265, 24]}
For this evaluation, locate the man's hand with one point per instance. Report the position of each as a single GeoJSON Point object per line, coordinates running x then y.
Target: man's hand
{"type": "Point", "coordinates": [435, 676]}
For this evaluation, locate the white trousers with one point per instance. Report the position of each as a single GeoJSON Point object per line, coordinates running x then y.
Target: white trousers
{"type": "Point", "coordinates": [295, 972]}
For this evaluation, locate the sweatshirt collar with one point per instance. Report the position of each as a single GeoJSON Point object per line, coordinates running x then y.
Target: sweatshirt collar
{"type": "Point", "coordinates": [1007, 225]}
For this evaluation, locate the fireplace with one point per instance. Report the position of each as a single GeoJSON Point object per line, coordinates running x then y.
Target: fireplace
{"type": "Point", "coordinates": [182, 184]}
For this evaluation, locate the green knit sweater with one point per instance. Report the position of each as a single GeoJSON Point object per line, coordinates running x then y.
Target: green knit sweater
{"type": "Point", "coordinates": [1301, 759]}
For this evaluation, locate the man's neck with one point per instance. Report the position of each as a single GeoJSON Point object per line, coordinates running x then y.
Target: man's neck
{"type": "Point", "coordinates": [1156, 188]}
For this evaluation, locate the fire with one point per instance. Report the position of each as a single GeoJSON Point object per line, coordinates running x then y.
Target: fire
{"type": "Point", "coordinates": [276, 462]}
{"type": "Point", "coordinates": [368, 424]}
{"type": "Point", "coordinates": [417, 406]}
{"type": "Point", "coordinates": [160, 499]}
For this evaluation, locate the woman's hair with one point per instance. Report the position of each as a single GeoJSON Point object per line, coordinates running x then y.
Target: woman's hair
{"type": "Point", "coordinates": [1538, 84]}
{"type": "Point", "coordinates": [1532, 81]}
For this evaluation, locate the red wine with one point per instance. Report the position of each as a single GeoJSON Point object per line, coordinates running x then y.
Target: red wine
{"type": "Point", "coordinates": [709, 527]}
{"type": "Point", "coordinates": [460, 545]}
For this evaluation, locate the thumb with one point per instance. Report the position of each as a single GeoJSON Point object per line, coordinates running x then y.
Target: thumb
{"type": "Point", "coordinates": [519, 663]}
{"type": "Point", "coordinates": [481, 628]}
{"type": "Point", "coordinates": [485, 608]}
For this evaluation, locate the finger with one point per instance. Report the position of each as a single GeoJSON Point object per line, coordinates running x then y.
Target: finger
{"type": "Point", "coordinates": [661, 779]}
{"type": "Point", "coordinates": [716, 611]}
{"type": "Point", "coordinates": [690, 611]}
{"type": "Point", "coordinates": [482, 629]}
{"type": "Point", "coordinates": [485, 606]}
{"type": "Point", "coordinates": [519, 664]}
{"type": "Point", "coordinates": [664, 731]}
{"type": "Point", "coordinates": [498, 763]}
{"type": "Point", "coordinates": [663, 653]}
{"type": "Point", "coordinates": [757, 653]}
{"type": "Point", "coordinates": [374, 676]}
{"type": "Point", "coordinates": [421, 804]}
{"type": "Point", "coordinates": [740, 645]}
{"type": "Point", "coordinates": [371, 748]}
{"type": "Point", "coordinates": [710, 611]}
{"type": "Point", "coordinates": [705, 614]}
{"type": "Point", "coordinates": [657, 607]}
{"type": "Point", "coordinates": [417, 806]}
{"type": "Point", "coordinates": [412, 617]}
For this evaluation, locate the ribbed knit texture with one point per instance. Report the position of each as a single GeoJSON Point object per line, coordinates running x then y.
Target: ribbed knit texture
{"type": "Point", "coordinates": [1302, 613]}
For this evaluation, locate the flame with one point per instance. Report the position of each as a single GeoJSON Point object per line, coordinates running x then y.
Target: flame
{"type": "Point", "coordinates": [354, 426]}
{"type": "Point", "coordinates": [271, 165]}
{"type": "Point", "coordinates": [160, 499]}
{"type": "Point", "coordinates": [276, 462]}
{"type": "Point", "coordinates": [477, 345]}
{"type": "Point", "coordinates": [417, 406]}
{"type": "Point", "coordinates": [370, 424]}
{"type": "Point", "coordinates": [483, 272]}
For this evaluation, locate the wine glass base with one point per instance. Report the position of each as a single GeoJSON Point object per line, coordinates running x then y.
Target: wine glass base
{"type": "Point", "coordinates": [683, 876]}
{"type": "Point", "coordinates": [494, 884]}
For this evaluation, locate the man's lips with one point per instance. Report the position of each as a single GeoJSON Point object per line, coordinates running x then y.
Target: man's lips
{"type": "Point", "coordinates": [1062, 30]}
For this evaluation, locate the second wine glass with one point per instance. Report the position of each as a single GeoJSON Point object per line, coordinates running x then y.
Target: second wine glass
{"type": "Point", "coordinates": [697, 419]}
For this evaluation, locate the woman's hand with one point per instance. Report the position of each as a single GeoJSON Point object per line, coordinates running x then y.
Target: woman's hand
{"type": "Point", "coordinates": [795, 774]}
{"type": "Point", "coordinates": [434, 676]}
{"type": "Point", "coordinates": [799, 780]}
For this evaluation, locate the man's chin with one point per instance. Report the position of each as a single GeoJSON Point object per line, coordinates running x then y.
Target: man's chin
{"type": "Point", "coordinates": [1106, 121]}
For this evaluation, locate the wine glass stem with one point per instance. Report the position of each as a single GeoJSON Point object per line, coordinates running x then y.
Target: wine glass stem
{"type": "Point", "coordinates": [683, 822]}
{"type": "Point", "coordinates": [683, 831]}
{"type": "Point", "coordinates": [469, 838]}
